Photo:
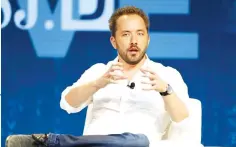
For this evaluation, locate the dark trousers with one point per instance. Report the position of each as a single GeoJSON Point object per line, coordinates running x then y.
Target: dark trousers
{"type": "Point", "coordinates": [64, 140]}
{"type": "Point", "coordinates": [112, 140]}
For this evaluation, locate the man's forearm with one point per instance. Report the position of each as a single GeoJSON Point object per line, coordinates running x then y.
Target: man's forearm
{"type": "Point", "coordinates": [77, 95]}
{"type": "Point", "coordinates": [175, 107]}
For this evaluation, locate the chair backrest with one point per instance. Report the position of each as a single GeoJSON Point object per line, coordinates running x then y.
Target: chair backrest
{"type": "Point", "coordinates": [88, 117]}
{"type": "Point", "coordinates": [195, 109]}
{"type": "Point", "coordinates": [195, 128]}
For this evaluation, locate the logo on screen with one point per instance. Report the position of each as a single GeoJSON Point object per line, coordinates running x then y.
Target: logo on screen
{"type": "Point", "coordinates": [52, 31]}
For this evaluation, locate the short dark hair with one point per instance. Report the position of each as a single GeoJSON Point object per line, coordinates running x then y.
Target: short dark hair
{"type": "Point", "coordinates": [127, 10]}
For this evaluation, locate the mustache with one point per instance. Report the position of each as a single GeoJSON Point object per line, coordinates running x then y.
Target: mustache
{"type": "Point", "coordinates": [133, 46]}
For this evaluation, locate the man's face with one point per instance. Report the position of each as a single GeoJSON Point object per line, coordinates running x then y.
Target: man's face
{"type": "Point", "coordinates": [131, 38]}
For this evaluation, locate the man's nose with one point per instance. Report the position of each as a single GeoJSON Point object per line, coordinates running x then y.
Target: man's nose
{"type": "Point", "coordinates": [134, 40]}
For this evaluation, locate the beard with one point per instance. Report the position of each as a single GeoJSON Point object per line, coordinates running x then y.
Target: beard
{"type": "Point", "coordinates": [132, 58]}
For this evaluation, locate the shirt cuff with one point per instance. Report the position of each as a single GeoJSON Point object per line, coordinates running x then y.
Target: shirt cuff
{"type": "Point", "coordinates": [180, 125]}
{"type": "Point", "coordinates": [179, 130]}
{"type": "Point", "coordinates": [67, 107]}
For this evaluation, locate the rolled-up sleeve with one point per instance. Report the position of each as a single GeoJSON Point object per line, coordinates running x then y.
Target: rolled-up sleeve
{"type": "Point", "coordinates": [179, 130]}
{"type": "Point", "coordinates": [90, 74]}
{"type": "Point", "coordinates": [183, 130]}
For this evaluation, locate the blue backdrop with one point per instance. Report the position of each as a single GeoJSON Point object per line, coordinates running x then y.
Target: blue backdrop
{"type": "Point", "coordinates": [47, 45]}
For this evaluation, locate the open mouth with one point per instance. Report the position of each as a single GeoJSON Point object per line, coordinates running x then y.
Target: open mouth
{"type": "Point", "coordinates": [133, 50]}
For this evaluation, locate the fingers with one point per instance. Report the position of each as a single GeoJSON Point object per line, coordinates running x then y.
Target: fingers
{"type": "Point", "coordinates": [149, 82]}
{"type": "Point", "coordinates": [116, 72]}
{"type": "Point", "coordinates": [117, 63]}
{"type": "Point", "coordinates": [151, 85]}
{"type": "Point", "coordinates": [149, 76]}
{"type": "Point", "coordinates": [149, 73]}
{"type": "Point", "coordinates": [116, 66]}
{"type": "Point", "coordinates": [148, 88]}
{"type": "Point", "coordinates": [146, 70]}
{"type": "Point", "coordinates": [116, 75]}
{"type": "Point", "coordinates": [152, 81]}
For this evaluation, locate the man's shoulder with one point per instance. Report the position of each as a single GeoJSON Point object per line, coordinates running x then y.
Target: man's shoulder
{"type": "Point", "coordinates": [167, 73]}
{"type": "Point", "coordinates": [164, 71]}
{"type": "Point", "coordinates": [95, 70]}
{"type": "Point", "coordinates": [157, 66]}
{"type": "Point", "coordinates": [100, 66]}
{"type": "Point", "coordinates": [97, 67]}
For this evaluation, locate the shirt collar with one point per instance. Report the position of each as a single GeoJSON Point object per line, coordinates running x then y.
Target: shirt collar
{"type": "Point", "coordinates": [145, 65]}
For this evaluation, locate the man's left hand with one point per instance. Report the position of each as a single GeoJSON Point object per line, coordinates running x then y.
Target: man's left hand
{"type": "Point", "coordinates": [154, 82]}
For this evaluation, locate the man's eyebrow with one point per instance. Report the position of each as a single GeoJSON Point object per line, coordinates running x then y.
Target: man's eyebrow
{"type": "Point", "coordinates": [140, 30]}
{"type": "Point", "coordinates": [125, 31]}
{"type": "Point", "coordinates": [130, 31]}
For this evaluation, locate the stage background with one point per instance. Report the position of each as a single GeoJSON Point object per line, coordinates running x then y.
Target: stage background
{"type": "Point", "coordinates": [49, 47]}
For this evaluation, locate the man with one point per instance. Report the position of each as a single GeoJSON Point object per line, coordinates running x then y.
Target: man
{"type": "Point", "coordinates": [134, 99]}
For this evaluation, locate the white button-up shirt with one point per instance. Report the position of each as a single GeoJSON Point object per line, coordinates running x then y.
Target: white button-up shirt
{"type": "Point", "coordinates": [118, 108]}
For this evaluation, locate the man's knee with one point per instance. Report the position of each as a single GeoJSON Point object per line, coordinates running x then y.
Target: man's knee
{"type": "Point", "coordinates": [19, 140]}
{"type": "Point", "coordinates": [136, 140]}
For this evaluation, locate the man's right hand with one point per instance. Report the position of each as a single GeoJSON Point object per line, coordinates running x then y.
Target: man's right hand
{"type": "Point", "coordinates": [114, 73]}
{"type": "Point", "coordinates": [80, 94]}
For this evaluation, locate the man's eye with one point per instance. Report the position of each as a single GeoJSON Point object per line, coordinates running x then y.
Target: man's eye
{"type": "Point", "coordinates": [125, 34]}
{"type": "Point", "coordinates": [140, 34]}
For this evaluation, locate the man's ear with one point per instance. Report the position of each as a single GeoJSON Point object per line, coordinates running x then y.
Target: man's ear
{"type": "Point", "coordinates": [148, 39]}
{"type": "Point", "coordinates": [113, 41]}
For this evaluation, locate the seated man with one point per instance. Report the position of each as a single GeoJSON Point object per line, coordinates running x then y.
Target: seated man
{"type": "Point", "coordinates": [134, 98]}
